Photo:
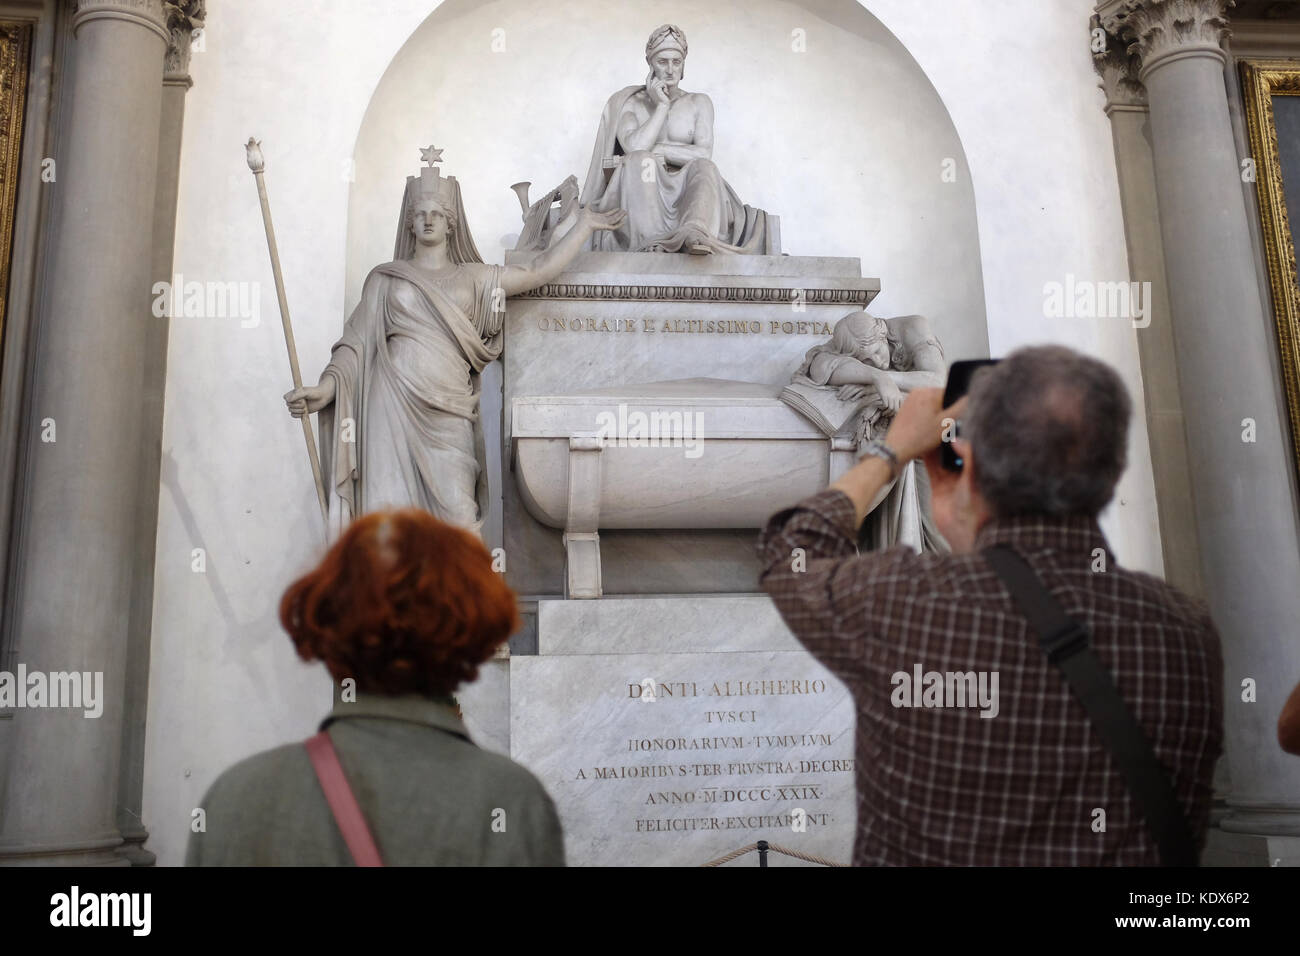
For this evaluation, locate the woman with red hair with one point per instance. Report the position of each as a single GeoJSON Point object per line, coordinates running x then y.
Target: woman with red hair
{"type": "Point", "coordinates": [403, 609]}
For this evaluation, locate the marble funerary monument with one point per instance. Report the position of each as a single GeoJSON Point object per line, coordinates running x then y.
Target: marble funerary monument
{"type": "Point", "coordinates": [671, 378]}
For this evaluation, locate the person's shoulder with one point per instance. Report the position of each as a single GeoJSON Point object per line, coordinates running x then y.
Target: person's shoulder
{"type": "Point", "coordinates": [483, 275]}
{"type": "Point", "coordinates": [699, 99]}
{"type": "Point", "coordinates": [498, 769]}
{"type": "Point", "coordinates": [943, 577]}
{"type": "Point", "coordinates": [629, 96]}
{"type": "Point", "coordinates": [911, 329]}
{"type": "Point", "coordinates": [261, 774]}
{"type": "Point", "coordinates": [383, 272]}
{"type": "Point", "coordinates": [248, 804]}
{"type": "Point", "coordinates": [1166, 603]}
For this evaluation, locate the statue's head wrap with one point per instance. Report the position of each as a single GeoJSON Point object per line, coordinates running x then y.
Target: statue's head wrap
{"type": "Point", "coordinates": [668, 36]}
{"type": "Point", "coordinates": [444, 192]}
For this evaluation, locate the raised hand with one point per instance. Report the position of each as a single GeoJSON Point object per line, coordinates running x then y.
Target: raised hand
{"type": "Point", "coordinates": [918, 428]}
{"type": "Point", "coordinates": [657, 90]}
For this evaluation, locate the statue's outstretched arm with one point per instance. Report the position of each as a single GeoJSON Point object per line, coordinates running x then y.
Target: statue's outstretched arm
{"type": "Point", "coordinates": [548, 265]}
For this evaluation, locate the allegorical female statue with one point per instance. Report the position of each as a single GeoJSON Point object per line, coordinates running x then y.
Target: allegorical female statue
{"type": "Point", "coordinates": [399, 398]}
{"type": "Point", "coordinates": [852, 385]}
{"type": "Point", "coordinates": [653, 158]}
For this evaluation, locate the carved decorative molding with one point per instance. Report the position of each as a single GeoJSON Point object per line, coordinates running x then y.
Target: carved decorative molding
{"type": "Point", "coordinates": [15, 55]}
{"type": "Point", "coordinates": [184, 17]}
{"type": "Point", "coordinates": [1118, 67]}
{"type": "Point", "coordinates": [146, 13]}
{"type": "Point", "coordinates": [699, 293]}
{"type": "Point", "coordinates": [1157, 29]}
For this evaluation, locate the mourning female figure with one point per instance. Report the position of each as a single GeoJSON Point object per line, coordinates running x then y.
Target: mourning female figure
{"type": "Point", "coordinates": [851, 386]}
{"type": "Point", "coordinates": [399, 398]}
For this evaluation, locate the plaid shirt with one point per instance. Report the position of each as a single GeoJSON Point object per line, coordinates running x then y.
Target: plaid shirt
{"type": "Point", "coordinates": [943, 785]}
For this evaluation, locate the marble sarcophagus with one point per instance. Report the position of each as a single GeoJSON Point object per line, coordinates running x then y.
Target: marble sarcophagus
{"type": "Point", "coordinates": [681, 455]}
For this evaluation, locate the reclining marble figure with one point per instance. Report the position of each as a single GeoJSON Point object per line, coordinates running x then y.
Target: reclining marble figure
{"type": "Point", "coordinates": [852, 385]}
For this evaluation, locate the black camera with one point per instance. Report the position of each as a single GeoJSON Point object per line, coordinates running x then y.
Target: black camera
{"type": "Point", "coordinates": [959, 376]}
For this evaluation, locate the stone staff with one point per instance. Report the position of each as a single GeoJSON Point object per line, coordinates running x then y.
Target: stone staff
{"type": "Point", "coordinates": [258, 164]}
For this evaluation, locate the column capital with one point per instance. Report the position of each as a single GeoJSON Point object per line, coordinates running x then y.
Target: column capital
{"type": "Point", "coordinates": [1159, 30]}
{"type": "Point", "coordinates": [145, 13]}
{"type": "Point", "coordinates": [184, 17]}
{"type": "Point", "coordinates": [1118, 66]}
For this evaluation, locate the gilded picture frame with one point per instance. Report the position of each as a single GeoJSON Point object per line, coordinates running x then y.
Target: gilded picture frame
{"type": "Point", "coordinates": [1261, 80]}
{"type": "Point", "coordinates": [15, 62]}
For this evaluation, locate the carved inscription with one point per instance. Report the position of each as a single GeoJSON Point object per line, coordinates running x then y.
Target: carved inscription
{"type": "Point", "coordinates": [747, 760]}
{"type": "Point", "coordinates": [729, 327]}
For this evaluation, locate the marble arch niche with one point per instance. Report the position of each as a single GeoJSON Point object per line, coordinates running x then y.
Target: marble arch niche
{"type": "Point", "coordinates": [822, 117]}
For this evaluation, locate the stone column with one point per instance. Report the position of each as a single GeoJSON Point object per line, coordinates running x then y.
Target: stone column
{"type": "Point", "coordinates": [184, 17]}
{"type": "Point", "coordinates": [59, 780]}
{"type": "Point", "coordinates": [1126, 105]}
{"type": "Point", "coordinates": [1246, 515]}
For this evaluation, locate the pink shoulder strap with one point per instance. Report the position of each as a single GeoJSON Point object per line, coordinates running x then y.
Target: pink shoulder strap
{"type": "Point", "coordinates": [342, 801]}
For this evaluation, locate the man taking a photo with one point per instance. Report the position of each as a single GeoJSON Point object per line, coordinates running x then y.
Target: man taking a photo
{"type": "Point", "coordinates": [1026, 779]}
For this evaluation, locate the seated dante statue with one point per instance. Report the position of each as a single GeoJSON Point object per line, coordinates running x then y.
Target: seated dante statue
{"type": "Point", "coordinates": [653, 159]}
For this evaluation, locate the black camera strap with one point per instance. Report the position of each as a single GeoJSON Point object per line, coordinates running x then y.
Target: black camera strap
{"type": "Point", "coordinates": [1066, 643]}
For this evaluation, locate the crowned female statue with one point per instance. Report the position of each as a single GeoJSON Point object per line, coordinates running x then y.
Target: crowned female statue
{"type": "Point", "coordinates": [399, 399]}
{"type": "Point", "coordinates": [653, 158]}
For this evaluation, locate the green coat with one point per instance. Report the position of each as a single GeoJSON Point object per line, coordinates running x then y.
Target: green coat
{"type": "Point", "coordinates": [430, 796]}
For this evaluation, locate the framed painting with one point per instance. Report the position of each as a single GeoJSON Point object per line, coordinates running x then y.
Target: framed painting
{"type": "Point", "coordinates": [1272, 98]}
{"type": "Point", "coordinates": [15, 53]}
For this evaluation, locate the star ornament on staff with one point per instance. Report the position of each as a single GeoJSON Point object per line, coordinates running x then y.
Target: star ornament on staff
{"type": "Point", "coordinates": [257, 163]}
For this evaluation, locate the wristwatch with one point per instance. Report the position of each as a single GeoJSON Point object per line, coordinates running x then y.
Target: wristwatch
{"type": "Point", "coordinates": [879, 449]}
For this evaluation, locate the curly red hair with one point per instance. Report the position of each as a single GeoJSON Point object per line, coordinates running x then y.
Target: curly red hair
{"type": "Point", "coordinates": [403, 603]}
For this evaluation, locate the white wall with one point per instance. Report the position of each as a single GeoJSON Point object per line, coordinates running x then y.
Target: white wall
{"type": "Point", "coordinates": [225, 683]}
{"type": "Point", "coordinates": [1018, 81]}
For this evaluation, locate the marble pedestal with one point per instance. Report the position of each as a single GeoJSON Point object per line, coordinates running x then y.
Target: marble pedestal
{"type": "Point", "coordinates": [673, 731]}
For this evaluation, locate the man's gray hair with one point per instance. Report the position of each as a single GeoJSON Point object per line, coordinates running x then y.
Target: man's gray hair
{"type": "Point", "coordinates": [1049, 430]}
